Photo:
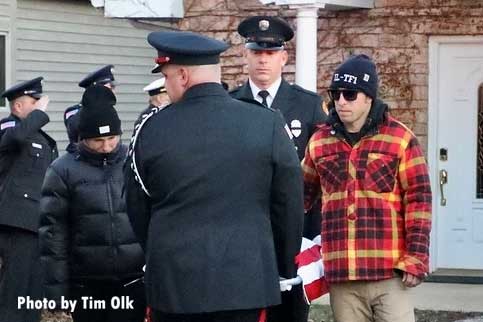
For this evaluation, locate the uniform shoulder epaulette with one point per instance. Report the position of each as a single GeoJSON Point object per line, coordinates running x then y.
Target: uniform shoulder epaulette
{"type": "Point", "coordinates": [142, 120]}
{"type": "Point", "coordinates": [303, 90]}
{"type": "Point", "coordinates": [7, 122]}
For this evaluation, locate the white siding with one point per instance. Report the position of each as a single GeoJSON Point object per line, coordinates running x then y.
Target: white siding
{"type": "Point", "coordinates": [65, 40]}
{"type": "Point", "coordinates": [6, 18]}
{"type": "Point", "coordinates": [5, 14]}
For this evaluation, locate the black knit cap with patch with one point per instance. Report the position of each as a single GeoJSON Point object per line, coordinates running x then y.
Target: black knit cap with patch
{"type": "Point", "coordinates": [359, 73]}
{"type": "Point", "coordinates": [98, 116]}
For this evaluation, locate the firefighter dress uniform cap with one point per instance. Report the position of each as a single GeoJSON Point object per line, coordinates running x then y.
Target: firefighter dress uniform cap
{"type": "Point", "coordinates": [31, 88]}
{"type": "Point", "coordinates": [100, 76]}
{"type": "Point", "coordinates": [185, 48]}
{"type": "Point", "coordinates": [156, 87]}
{"type": "Point", "coordinates": [265, 32]}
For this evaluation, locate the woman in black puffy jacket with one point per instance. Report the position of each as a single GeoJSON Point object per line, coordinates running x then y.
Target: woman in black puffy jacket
{"type": "Point", "coordinates": [88, 248]}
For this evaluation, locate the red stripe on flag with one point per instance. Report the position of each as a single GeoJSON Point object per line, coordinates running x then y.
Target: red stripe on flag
{"type": "Point", "coordinates": [263, 316]}
{"type": "Point", "coordinates": [308, 256]}
{"type": "Point", "coordinates": [311, 270]}
{"type": "Point", "coordinates": [316, 289]}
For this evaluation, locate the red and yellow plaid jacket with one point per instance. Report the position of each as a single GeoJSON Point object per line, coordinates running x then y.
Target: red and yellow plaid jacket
{"type": "Point", "coordinates": [376, 202]}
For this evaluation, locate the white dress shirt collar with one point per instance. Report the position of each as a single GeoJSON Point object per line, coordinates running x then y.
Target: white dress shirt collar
{"type": "Point", "coordinates": [272, 90]}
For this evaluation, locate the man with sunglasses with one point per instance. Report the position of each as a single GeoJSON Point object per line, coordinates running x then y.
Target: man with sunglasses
{"type": "Point", "coordinates": [25, 153]}
{"type": "Point", "coordinates": [371, 174]}
{"type": "Point", "coordinates": [266, 56]}
{"type": "Point", "coordinates": [102, 76]}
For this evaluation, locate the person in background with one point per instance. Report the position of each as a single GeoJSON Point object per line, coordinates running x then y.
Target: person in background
{"type": "Point", "coordinates": [87, 245]}
{"type": "Point", "coordinates": [157, 93]}
{"type": "Point", "coordinates": [102, 76]}
{"type": "Point", "coordinates": [214, 193]}
{"type": "Point", "coordinates": [266, 55]}
{"type": "Point", "coordinates": [376, 200]}
{"type": "Point", "coordinates": [25, 153]}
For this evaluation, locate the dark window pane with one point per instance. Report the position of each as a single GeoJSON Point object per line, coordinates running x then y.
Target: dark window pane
{"type": "Point", "coordinates": [2, 68]}
{"type": "Point", "coordinates": [479, 158]}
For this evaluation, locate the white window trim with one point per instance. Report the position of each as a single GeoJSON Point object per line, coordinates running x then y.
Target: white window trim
{"type": "Point", "coordinates": [8, 66]}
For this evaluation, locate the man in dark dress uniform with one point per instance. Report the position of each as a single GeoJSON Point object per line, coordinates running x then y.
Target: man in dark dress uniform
{"type": "Point", "coordinates": [157, 93]}
{"type": "Point", "coordinates": [213, 192]}
{"type": "Point", "coordinates": [25, 153]}
{"type": "Point", "coordinates": [266, 56]}
{"type": "Point", "coordinates": [103, 76]}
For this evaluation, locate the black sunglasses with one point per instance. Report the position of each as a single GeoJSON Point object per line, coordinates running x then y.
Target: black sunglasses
{"type": "Point", "coordinates": [349, 94]}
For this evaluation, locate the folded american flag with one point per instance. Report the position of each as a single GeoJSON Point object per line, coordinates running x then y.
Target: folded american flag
{"type": "Point", "coordinates": [311, 269]}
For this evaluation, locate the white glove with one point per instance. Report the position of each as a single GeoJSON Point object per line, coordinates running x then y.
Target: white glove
{"type": "Point", "coordinates": [42, 103]}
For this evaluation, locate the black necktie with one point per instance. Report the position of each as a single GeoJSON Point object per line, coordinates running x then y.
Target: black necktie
{"type": "Point", "coordinates": [263, 94]}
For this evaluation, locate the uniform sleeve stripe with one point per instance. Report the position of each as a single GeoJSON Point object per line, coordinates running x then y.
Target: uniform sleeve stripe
{"type": "Point", "coordinates": [6, 125]}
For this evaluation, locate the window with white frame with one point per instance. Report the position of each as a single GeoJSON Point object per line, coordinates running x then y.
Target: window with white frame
{"type": "Point", "coordinates": [3, 66]}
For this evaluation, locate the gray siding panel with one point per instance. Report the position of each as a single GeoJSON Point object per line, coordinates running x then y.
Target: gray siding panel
{"type": "Point", "coordinates": [5, 6]}
{"type": "Point", "coordinates": [65, 40]}
{"type": "Point", "coordinates": [6, 13]}
{"type": "Point", "coordinates": [93, 39]}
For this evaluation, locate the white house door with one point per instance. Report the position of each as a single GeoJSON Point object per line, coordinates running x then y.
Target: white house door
{"type": "Point", "coordinates": [458, 159]}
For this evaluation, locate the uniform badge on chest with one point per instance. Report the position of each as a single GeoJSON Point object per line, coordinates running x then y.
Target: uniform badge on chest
{"type": "Point", "coordinates": [296, 128]}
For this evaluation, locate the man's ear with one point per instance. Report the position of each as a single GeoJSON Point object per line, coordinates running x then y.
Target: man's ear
{"type": "Point", "coordinates": [369, 100]}
{"type": "Point", "coordinates": [245, 53]}
{"type": "Point", "coordinates": [185, 76]}
{"type": "Point", "coordinates": [284, 57]}
{"type": "Point", "coordinates": [16, 107]}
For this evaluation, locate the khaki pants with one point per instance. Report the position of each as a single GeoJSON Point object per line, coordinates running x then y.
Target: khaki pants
{"type": "Point", "coordinates": [367, 301]}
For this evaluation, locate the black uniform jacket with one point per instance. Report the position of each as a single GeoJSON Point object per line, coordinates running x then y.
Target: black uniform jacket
{"type": "Point", "coordinates": [225, 203]}
{"type": "Point", "coordinates": [25, 153]}
{"type": "Point", "coordinates": [85, 234]}
{"type": "Point", "coordinates": [302, 110]}
{"type": "Point", "coordinates": [72, 126]}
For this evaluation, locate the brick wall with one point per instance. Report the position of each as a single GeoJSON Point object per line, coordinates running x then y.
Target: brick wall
{"type": "Point", "coordinates": [395, 33]}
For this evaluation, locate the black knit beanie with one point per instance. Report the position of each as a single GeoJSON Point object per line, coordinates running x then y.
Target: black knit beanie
{"type": "Point", "coordinates": [359, 73]}
{"type": "Point", "coordinates": [97, 116]}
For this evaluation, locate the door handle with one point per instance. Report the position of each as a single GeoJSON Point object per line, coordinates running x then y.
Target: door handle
{"type": "Point", "coordinates": [443, 179]}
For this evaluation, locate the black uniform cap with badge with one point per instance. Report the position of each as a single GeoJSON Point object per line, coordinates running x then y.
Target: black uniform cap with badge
{"type": "Point", "coordinates": [357, 74]}
{"type": "Point", "coordinates": [98, 117]}
{"type": "Point", "coordinates": [100, 76]}
{"type": "Point", "coordinates": [185, 48]}
{"type": "Point", "coordinates": [265, 32]}
{"type": "Point", "coordinates": [32, 88]}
